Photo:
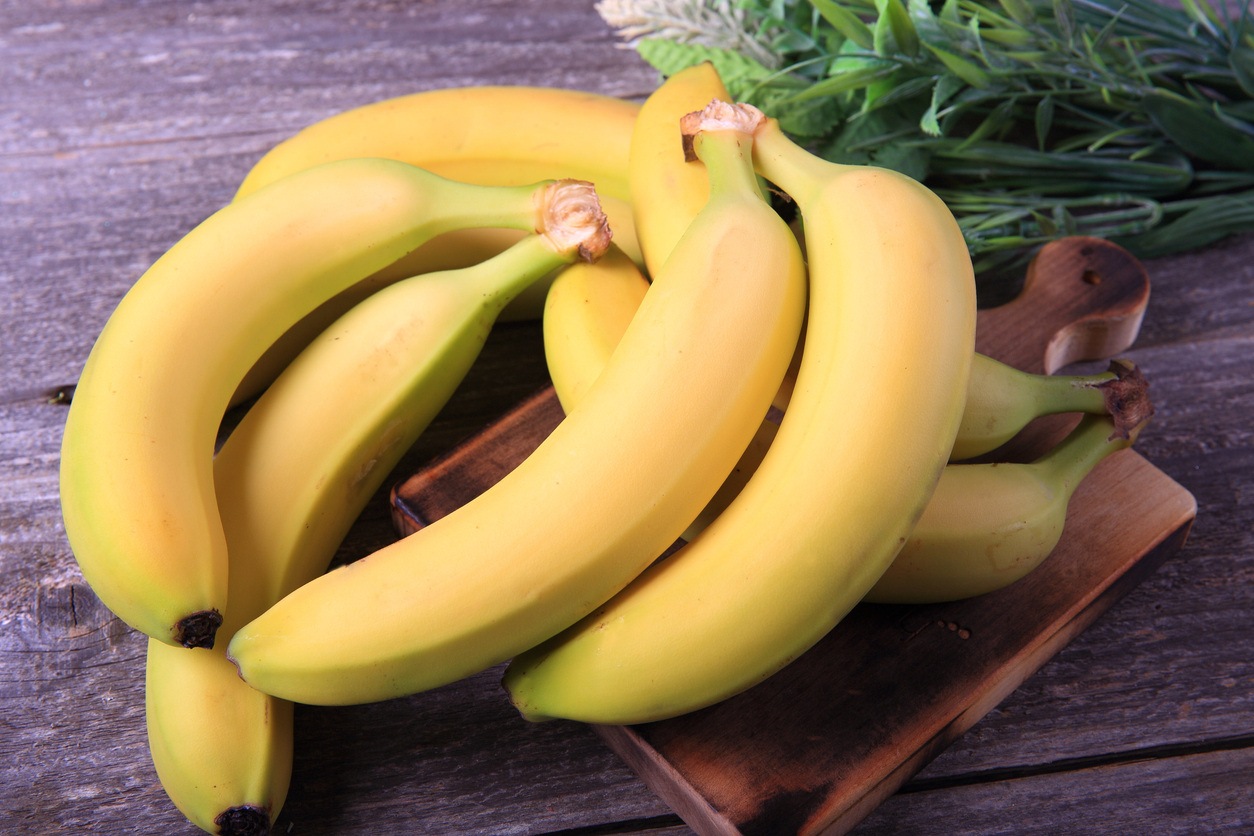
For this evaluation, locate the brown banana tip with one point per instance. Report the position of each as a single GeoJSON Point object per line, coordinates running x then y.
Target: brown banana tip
{"type": "Point", "coordinates": [717, 116]}
{"type": "Point", "coordinates": [245, 820]}
{"type": "Point", "coordinates": [571, 217]}
{"type": "Point", "coordinates": [1127, 399]}
{"type": "Point", "coordinates": [198, 629]}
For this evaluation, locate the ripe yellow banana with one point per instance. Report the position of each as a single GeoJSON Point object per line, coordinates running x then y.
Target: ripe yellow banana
{"type": "Point", "coordinates": [586, 312]}
{"type": "Point", "coordinates": [988, 525]}
{"type": "Point", "coordinates": [491, 136]}
{"type": "Point", "coordinates": [667, 192]}
{"type": "Point", "coordinates": [871, 421]}
{"type": "Point", "coordinates": [291, 479]}
{"type": "Point", "coordinates": [136, 460]}
{"type": "Point", "coordinates": [474, 135]}
{"type": "Point", "coordinates": [606, 493]}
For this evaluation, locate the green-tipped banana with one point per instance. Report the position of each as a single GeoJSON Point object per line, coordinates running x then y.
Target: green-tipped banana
{"type": "Point", "coordinates": [1002, 400]}
{"type": "Point", "coordinates": [137, 456]}
{"type": "Point", "coordinates": [290, 481]}
{"type": "Point", "coordinates": [606, 493]}
{"type": "Point", "coordinates": [988, 525]}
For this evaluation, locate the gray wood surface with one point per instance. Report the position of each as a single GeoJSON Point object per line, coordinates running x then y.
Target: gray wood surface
{"type": "Point", "coordinates": [123, 124]}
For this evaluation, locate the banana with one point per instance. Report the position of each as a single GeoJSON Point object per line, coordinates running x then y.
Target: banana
{"type": "Point", "coordinates": [606, 493]}
{"type": "Point", "coordinates": [988, 525]}
{"type": "Point", "coordinates": [291, 479]}
{"type": "Point", "coordinates": [667, 192]}
{"type": "Point", "coordinates": [586, 312]}
{"type": "Point", "coordinates": [873, 416]}
{"type": "Point", "coordinates": [490, 136]}
{"type": "Point", "coordinates": [136, 474]}
{"type": "Point", "coordinates": [474, 135]}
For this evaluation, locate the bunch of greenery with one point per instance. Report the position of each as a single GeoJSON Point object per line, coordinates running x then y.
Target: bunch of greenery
{"type": "Point", "coordinates": [1032, 119]}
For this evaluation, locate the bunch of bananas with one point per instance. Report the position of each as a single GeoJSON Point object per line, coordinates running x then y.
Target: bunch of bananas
{"type": "Point", "coordinates": [789, 424]}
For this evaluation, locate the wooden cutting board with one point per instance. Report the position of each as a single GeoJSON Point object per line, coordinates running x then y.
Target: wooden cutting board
{"type": "Point", "coordinates": [815, 748]}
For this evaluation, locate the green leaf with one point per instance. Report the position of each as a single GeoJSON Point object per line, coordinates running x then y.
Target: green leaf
{"type": "Point", "coordinates": [843, 82]}
{"type": "Point", "coordinates": [946, 86]}
{"type": "Point", "coordinates": [1020, 11]}
{"type": "Point", "coordinates": [962, 68]}
{"type": "Point", "coordinates": [994, 122]}
{"type": "Point", "coordinates": [669, 57]}
{"type": "Point", "coordinates": [1064, 18]}
{"type": "Point", "coordinates": [1241, 60]}
{"type": "Point", "coordinates": [950, 13]}
{"type": "Point", "coordinates": [1197, 131]}
{"type": "Point", "coordinates": [910, 160]}
{"type": "Point", "coordinates": [845, 22]}
{"type": "Point", "coordinates": [1201, 12]}
{"type": "Point", "coordinates": [894, 31]}
{"type": "Point", "coordinates": [1044, 120]}
{"type": "Point", "coordinates": [811, 118]}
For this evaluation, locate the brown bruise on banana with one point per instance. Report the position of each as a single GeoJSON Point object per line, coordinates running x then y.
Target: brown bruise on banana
{"type": "Point", "coordinates": [569, 216]}
{"type": "Point", "coordinates": [718, 116]}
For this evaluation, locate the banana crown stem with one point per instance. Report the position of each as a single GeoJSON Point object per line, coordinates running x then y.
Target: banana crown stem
{"type": "Point", "coordinates": [570, 217]}
{"type": "Point", "coordinates": [730, 128]}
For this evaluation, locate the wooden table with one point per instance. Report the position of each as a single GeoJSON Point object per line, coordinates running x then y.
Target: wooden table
{"type": "Point", "coordinates": [124, 124]}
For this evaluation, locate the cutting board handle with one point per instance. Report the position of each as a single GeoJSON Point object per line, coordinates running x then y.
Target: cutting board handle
{"type": "Point", "coordinates": [1083, 299]}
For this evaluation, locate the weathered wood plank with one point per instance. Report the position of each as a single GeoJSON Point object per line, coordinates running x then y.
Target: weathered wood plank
{"type": "Point", "coordinates": [1208, 792]}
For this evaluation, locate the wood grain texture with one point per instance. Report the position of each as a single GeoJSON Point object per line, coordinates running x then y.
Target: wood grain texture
{"type": "Point", "coordinates": [122, 124]}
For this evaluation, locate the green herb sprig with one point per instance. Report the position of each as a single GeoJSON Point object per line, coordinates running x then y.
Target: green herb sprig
{"type": "Point", "coordinates": [1032, 119]}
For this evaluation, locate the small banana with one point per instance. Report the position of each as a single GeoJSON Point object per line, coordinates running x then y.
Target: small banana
{"type": "Point", "coordinates": [586, 312]}
{"type": "Point", "coordinates": [606, 493]}
{"type": "Point", "coordinates": [872, 418]}
{"type": "Point", "coordinates": [988, 525]}
{"type": "Point", "coordinates": [136, 474]}
{"type": "Point", "coordinates": [291, 479]}
{"type": "Point", "coordinates": [490, 136]}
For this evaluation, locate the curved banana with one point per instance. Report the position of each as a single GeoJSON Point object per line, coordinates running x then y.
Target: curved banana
{"type": "Point", "coordinates": [136, 459]}
{"type": "Point", "coordinates": [873, 416]}
{"type": "Point", "coordinates": [666, 191]}
{"type": "Point", "coordinates": [291, 479]}
{"type": "Point", "coordinates": [474, 135]}
{"type": "Point", "coordinates": [606, 493]}
{"type": "Point", "coordinates": [988, 525]}
{"type": "Point", "coordinates": [490, 136]}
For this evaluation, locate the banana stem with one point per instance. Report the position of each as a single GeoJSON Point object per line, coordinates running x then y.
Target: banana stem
{"type": "Point", "coordinates": [502, 277]}
{"type": "Point", "coordinates": [1079, 393]}
{"type": "Point", "coordinates": [731, 170]}
{"type": "Point", "coordinates": [465, 206]}
{"type": "Point", "coordinates": [1076, 455]}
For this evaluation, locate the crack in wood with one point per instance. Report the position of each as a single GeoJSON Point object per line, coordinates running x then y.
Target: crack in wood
{"type": "Point", "coordinates": [1149, 753]}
